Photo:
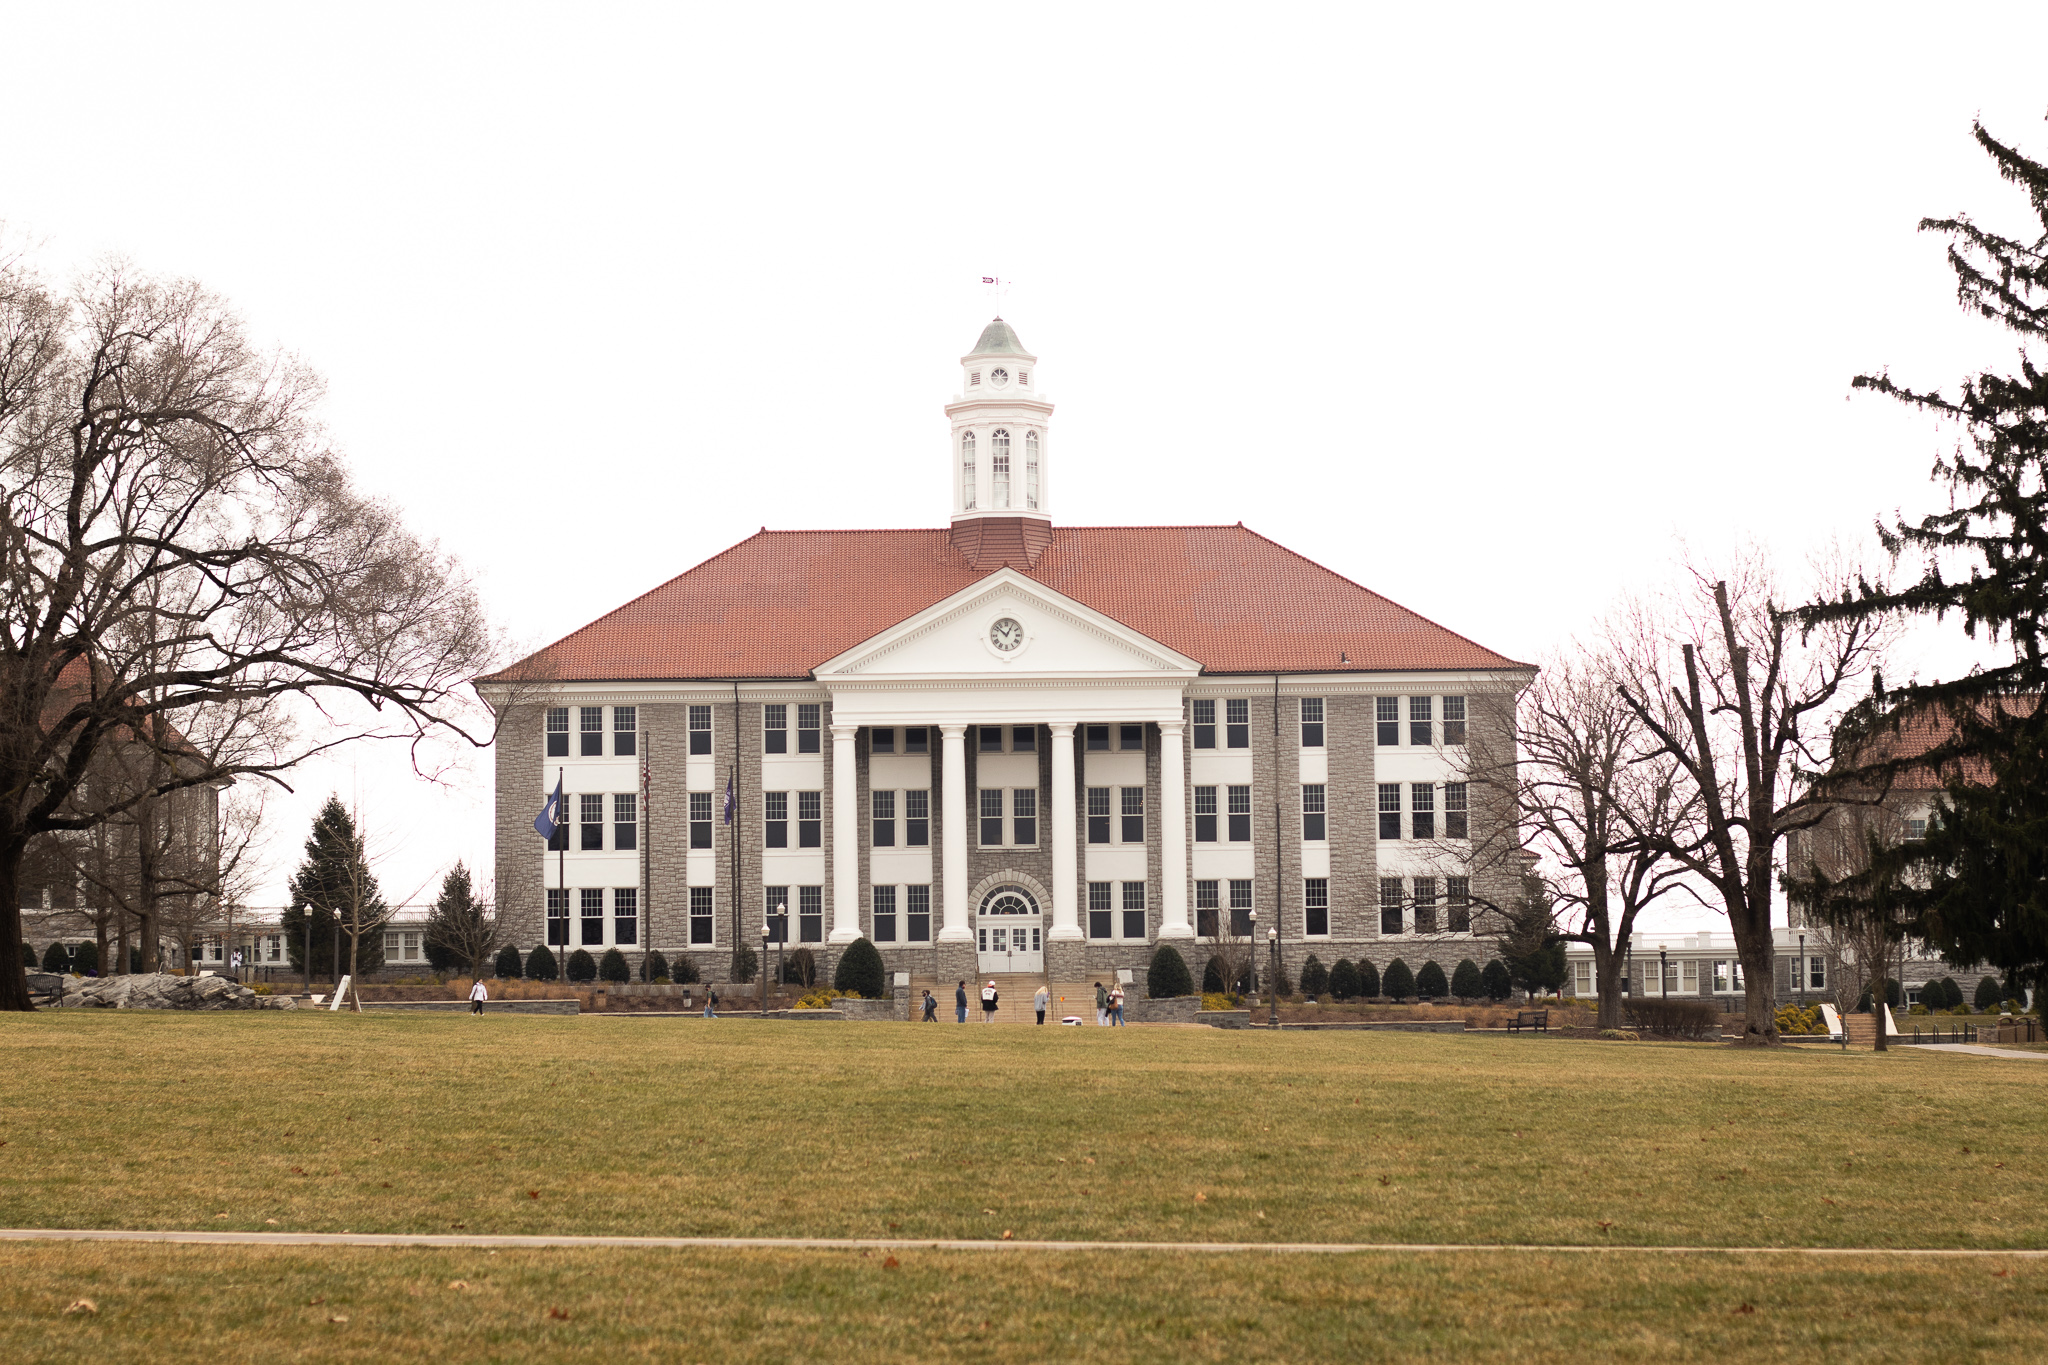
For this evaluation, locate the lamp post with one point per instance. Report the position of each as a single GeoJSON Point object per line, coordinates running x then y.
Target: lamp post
{"type": "Point", "coordinates": [781, 943]}
{"type": "Point", "coordinates": [1663, 974]}
{"type": "Point", "coordinates": [763, 992]}
{"type": "Point", "coordinates": [1273, 944]}
{"type": "Point", "coordinates": [1799, 969]}
{"type": "Point", "coordinates": [1253, 916]}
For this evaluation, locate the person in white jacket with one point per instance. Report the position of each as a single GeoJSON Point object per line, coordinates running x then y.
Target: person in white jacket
{"type": "Point", "coordinates": [1041, 1000]}
{"type": "Point", "coordinates": [477, 996]}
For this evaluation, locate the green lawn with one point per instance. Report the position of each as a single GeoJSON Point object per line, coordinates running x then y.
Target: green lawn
{"type": "Point", "coordinates": [388, 1123]}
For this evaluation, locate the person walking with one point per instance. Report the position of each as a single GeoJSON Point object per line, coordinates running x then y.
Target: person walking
{"type": "Point", "coordinates": [988, 1003]}
{"type": "Point", "coordinates": [1041, 1000]}
{"type": "Point", "coordinates": [960, 1002]}
{"type": "Point", "coordinates": [931, 1008]}
{"type": "Point", "coordinates": [710, 1003]}
{"type": "Point", "coordinates": [1116, 1005]}
{"type": "Point", "coordinates": [1101, 1005]}
{"type": "Point", "coordinates": [477, 996]}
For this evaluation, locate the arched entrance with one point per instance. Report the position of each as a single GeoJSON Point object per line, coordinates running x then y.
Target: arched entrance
{"type": "Point", "coordinates": [1009, 931]}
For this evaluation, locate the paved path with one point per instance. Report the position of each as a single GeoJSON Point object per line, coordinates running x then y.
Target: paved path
{"type": "Point", "coordinates": [1979, 1050]}
{"type": "Point", "coordinates": [375, 1239]}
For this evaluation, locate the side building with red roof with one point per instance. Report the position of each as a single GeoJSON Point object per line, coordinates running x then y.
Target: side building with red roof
{"type": "Point", "coordinates": [1005, 747]}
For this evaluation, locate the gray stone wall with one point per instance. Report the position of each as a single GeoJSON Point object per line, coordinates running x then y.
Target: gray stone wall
{"type": "Point", "coordinates": [522, 784]}
{"type": "Point", "coordinates": [1353, 827]}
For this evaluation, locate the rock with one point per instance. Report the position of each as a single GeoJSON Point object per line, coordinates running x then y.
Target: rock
{"type": "Point", "coordinates": [165, 992]}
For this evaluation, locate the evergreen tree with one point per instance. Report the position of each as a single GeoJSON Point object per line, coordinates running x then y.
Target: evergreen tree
{"type": "Point", "coordinates": [1168, 976]}
{"type": "Point", "coordinates": [1430, 983]}
{"type": "Point", "coordinates": [335, 885]}
{"type": "Point", "coordinates": [1976, 888]}
{"type": "Point", "coordinates": [1368, 978]}
{"type": "Point", "coordinates": [56, 958]}
{"type": "Point", "coordinates": [860, 971]}
{"type": "Point", "coordinates": [508, 967]}
{"type": "Point", "coordinates": [1315, 977]}
{"type": "Point", "coordinates": [1398, 982]}
{"type": "Point", "coordinates": [1466, 981]}
{"type": "Point", "coordinates": [613, 967]}
{"type": "Point", "coordinates": [461, 931]}
{"type": "Point", "coordinates": [540, 965]}
{"type": "Point", "coordinates": [582, 966]}
{"type": "Point", "coordinates": [1212, 977]}
{"type": "Point", "coordinates": [1344, 980]}
{"type": "Point", "coordinates": [1499, 985]}
{"type": "Point", "coordinates": [654, 967]}
{"type": "Point", "coordinates": [683, 971]}
{"type": "Point", "coordinates": [1987, 993]}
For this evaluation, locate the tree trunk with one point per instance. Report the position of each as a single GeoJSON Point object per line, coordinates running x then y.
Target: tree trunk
{"type": "Point", "coordinates": [1759, 1007]}
{"type": "Point", "coordinates": [13, 972]}
{"type": "Point", "coordinates": [1878, 1001]}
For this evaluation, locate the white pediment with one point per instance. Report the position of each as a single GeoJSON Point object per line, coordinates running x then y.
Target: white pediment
{"type": "Point", "coordinates": [1008, 627]}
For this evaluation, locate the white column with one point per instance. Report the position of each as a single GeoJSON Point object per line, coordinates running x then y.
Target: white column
{"type": "Point", "coordinates": [1173, 833]}
{"type": "Point", "coordinates": [845, 837]}
{"type": "Point", "coordinates": [953, 825]}
{"type": "Point", "coordinates": [1066, 880]}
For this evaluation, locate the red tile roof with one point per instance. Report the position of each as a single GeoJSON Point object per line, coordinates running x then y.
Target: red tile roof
{"type": "Point", "coordinates": [780, 603]}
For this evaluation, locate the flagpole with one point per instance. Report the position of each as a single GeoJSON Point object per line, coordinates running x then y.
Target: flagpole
{"type": "Point", "coordinates": [562, 873]}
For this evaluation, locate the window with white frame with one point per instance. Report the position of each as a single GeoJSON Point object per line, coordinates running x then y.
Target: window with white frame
{"type": "Point", "coordinates": [625, 731]}
{"type": "Point", "coordinates": [1024, 817]}
{"type": "Point", "coordinates": [702, 921]}
{"type": "Point", "coordinates": [810, 819]}
{"type": "Point", "coordinates": [1131, 738]}
{"type": "Point", "coordinates": [917, 818]}
{"type": "Point", "coordinates": [1237, 724]}
{"type": "Point", "coordinates": [810, 917]}
{"type": "Point", "coordinates": [1315, 907]}
{"type": "Point", "coordinates": [991, 817]}
{"type": "Point", "coordinates": [1689, 977]}
{"type": "Point", "coordinates": [967, 466]}
{"type": "Point", "coordinates": [917, 918]}
{"type": "Point", "coordinates": [1421, 712]}
{"type": "Point", "coordinates": [558, 917]}
{"type": "Point", "coordinates": [807, 727]}
{"type": "Point", "coordinates": [1422, 812]}
{"type": "Point", "coordinates": [591, 731]}
{"type": "Point", "coordinates": [885, 914]}
{"type": "Point", "coordinates": [775, 819]}
{"type": "Point", "coordinates": [1390, 810]}
{"type": "Point", "coordinates": [700, 819]}
{"type": "Point", "coordinates": [1454, 721]}
{"type": "Point", "coordinates": [775, 728]}
{"type": "Point", "coordinates": [1098, 815]}
{"type": "Point", "coordinates": [625, 916]}
{"type": "Point", "coordinates": [1425, 905]}
{"type": "Point", "coordinates": [882, 739]}
{"type": "Point", "coordinates": [1133, 807]}
{"type": "Point", "coordinates": [1205, 815]}
{"type": "Point", "coordinates": [700, 731]}
{"type": "Point", "coordinates": [1134, 911]}
{"type": "Point", "coordinates": [625, 821]}
{"type": "Point", "coordinates": [882, 812]}
{"type": "Point", "coordinates": [1031, 471]}
{"type": "Point", "coordinates": [1312, 812]}
{"type": "Point", "coordinates": [1582, 978]}
{"type": "Point", "coordinates": [1203, 718]}
{"type": "Point", "coordinates": [1458, 904]}
{"type": "Point", "coordinates": [1241, 907]}
{"type": "Point", "coordinates": [1386, 721]}
{"type": "Point", "coordinates": [999, 467]}
{"type": "Point", "coordinates": [590, 828]}
{"type": "Point", "coordinates": [591, 933]}
{"type": "Point", "coordinates": [1390, 905]}
{"type": "Point", "coordinates": [775, 913]}
{"type": "Point", "coordinates": [1457, 817]}
{"type": "Point", "coordinates": [1311, 722]}
{"type": "Point", "coordinates": [1816, 974]}
{"type": "Point", "coordinates": [1240, 812]}
{"type": "Point", "coordinates": [1206, 906]}
{"type": "Point", "coordinates": [558, 732]}
{"type": "Point", "coordinates": [1101, 919]}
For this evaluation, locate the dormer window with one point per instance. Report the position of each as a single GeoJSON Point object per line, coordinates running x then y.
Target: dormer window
{"type": "Point", "coordinates": [999, 466]}
{"type": "Point", "coordinates": [974, 379]}
{"type": "Point", "coordinates": [967, 470]}
{"type": "Point", "coordinates": [1031, 471]}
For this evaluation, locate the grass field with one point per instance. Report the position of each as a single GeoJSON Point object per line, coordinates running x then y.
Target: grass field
{"type": "Point", "coordinates": [318, 1122]}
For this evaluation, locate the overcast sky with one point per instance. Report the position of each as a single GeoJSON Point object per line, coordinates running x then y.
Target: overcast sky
{"type": "Point", "coordinates": [1484, 307]}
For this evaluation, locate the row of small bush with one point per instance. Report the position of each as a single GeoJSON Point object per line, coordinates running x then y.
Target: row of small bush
{"type": "Point", "coordinates": [1946, 997]}
{"type": "Point", "coordinates": [1792, 1020]}
{"type": "Point", "coordinates": [1347, 980]}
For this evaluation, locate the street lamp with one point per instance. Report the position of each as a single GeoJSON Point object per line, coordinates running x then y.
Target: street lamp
{"type": "Point", "coordinates": [1663, 974]}
{"type": "Point", "coordinates": [781, 944]}
{"type": "Point", "coordinates": [763, 992]}
{"type": "Point", "coordinates": [1799, 969]}
{"type": "Point", "coordinates": [1253, 916]}
{"type": "Point", "coordinates": [1273, 943]}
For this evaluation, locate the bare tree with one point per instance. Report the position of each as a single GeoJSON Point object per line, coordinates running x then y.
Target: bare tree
{"type": "Point", "coordinates": [179, 548]}
{"type": "Point", "coordinates": [1742, 699]}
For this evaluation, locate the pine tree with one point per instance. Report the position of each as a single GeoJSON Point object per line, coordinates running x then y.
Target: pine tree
{"type": "Point", "coordinates": [861, 972]}
{"type": "Point", "coordinates": [508, 967]}
{"type": "Point", "coordinates": [582, 966]}
{"type": "Point", "coordinates": [1315, 977]}
{"type": "Point", "coordinates": [1497, 981]}
{"type": "Point", "coordinates": [1168, 976]}
{"type": "Point", "coordinates": [1976, 888]}
{"type": "Point", "coordinates": [613, 967]}
{"type": "Point", "coordinates": [1397, 981]}
{"type": "Point", "coordinates": [1466, 981]}
{"type": "Point", "coordinates": [541, 966]}
{"type": "Point", "coordinates": [1344, 980]}
{"type": "Point", "coordinates": [336, 886]}
{"type": "Point", "coordinates": [1368, 978]}
{"type": "Point", "coordinates": [461, 932]}
{"type": "Point", "coordinates": [1430, 983]}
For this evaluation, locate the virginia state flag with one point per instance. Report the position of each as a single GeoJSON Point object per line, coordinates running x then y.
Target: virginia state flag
{"type": "Point", "coordinates": [729, 802]}
{"type": "Point", "coordinates": [550, 817]}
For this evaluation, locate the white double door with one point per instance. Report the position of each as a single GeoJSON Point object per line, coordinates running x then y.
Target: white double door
{"type": "Point", "coordinates": [1009, 932]}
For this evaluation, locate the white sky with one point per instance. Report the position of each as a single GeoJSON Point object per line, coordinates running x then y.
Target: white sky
{"type": "Point", "coordinates": [1484, 307]}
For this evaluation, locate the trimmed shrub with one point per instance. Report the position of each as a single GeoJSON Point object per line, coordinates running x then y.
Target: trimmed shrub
{"type": "Point", "coordinates": [613, 967]}
{"type": "Point", "coordinates": [1168, 977]}
{"type": "Point", "coordinates": [653, 967]}
{"type": "Point", "coordinates": [1368, 979]}
{"type": "Point", "coordinates": [1677, 1018]}
{"type": "Point", "coordinates": [540, 965]}
{"type": "Point", "coordinates": [683, 971]}
{"type": "Point", "coordinates": [55, 959]}
{"type": "Point", "coordinates": [1466, 982]}
{"type": "Point", "coordinates": [1892, 996]}
{"type": "Point", "coordinates": [1212, 977]}
{"type": "Point", "coordinates": [860, 971]}
{"type": "Point", "coordinates": [1987, 993]}
{"type": "Point", "coordinates": [508, 967]}
{"type": "Point", "coordinates": [1344, 980]}
{"type": "Point", "coordinates": [1430, 983]}
{"type": "Point", "coordinates": [1280, 985]}
{"type": "Point", "coordinates": [1398, 982]}
{"type": "Point", "coordinates": [29, 961]}
{"type": "Point", "coordinates": [582, 966]}
{"type": "Point", "coordinates": [744, 964]}
{"type": "Point", "coordinates": [1315, 977]}
{"type": "Point", "coordinates": [800, 968]}
{"type": "Point", "coordinates": [1499, 985]}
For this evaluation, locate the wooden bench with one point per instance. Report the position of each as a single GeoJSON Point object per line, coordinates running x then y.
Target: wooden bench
{"type": "Point", "coordinates": [1538, 1020]}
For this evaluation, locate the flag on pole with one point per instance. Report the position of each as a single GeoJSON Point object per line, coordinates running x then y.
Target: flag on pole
{"type": "Point", "coordinates": [550, 818]}
{"type": "Point", "coordinates": [728, 800]}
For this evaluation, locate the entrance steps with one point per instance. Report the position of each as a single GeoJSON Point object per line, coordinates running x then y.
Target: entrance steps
{"type": "Point", "coordinates": [1013, 992]}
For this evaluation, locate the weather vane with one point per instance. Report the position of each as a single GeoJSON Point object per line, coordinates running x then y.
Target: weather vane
{"type": "Point", "coordinates": [996, 288]}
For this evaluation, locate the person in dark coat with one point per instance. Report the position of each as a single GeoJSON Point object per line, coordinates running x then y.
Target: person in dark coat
{"type": "Point", "coordinates": [960, 1002]}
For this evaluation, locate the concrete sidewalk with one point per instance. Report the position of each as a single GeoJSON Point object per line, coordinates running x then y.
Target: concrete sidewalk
{"type": "Point", "coordinates": [1979, 1050]}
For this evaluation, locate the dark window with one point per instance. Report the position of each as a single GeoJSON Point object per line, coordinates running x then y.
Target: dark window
{"type": "Point", "coordinates": [1312, 814]}
{"type": "Point", "coordinates": [700, 731]}
{"type": "Point", "coordinates": [1205, 815]}
{"type": "Point", "coordinates": [1100, 920]}
{"type": "Point", "coordinates": [882, 740]}
{"type": "Point", "coordinates": [1315, 900]}
{"type": "Point", "coordinates": [991, 817]}
{"type": "Point", "coordinates": [1422, 796]}
{"type": "Point", "coordinates": [558, 732]}
{"type": "Point", "coordinates": [1457, 822]}
{"type": "Point", "coordinates": [626, 915]}
{"type": "Point", "coordinates": [625, 821]}
{"type": "Point", "coordinates": [1420, 712]}
{"type": "Point", "coordinates": [1134, 910]}
{"type": "Point", "coordinates": [1425, 905]}
{"type": "Point", "coordinates": [1454, 721]}
{"type": "Point", "coordinates": [1024, 739]}
{"type": "Point", "coordinates": [807, 727]}
{"type": "Point", "coordinates": [1390, 810]}
{"type": "Point", "coordinates": [917, 740]}
{"type": "Point", "coordinates": [1458, 904]}
{"type": "Point", "coordinates": [882, 807]}
{"type": "Point", "coordinates": [591, 825]}
{"type": "Point", "coordinates": [1206, 906]}
{"type": "Point", "coordinates": [1237, 726]}
{"type": "Point", "coordinates": [1024, 815]}
{"type": "Point", "coordinates": [810, 820]}
{"type": "Point", "coordinates": [1311, 722]}
{"type": "Point", "coordinates": [700, 915]}
{"type": "Point", "coordinates": [1205, 724]}
{"type": "Point", "coordinates": [1133, 808]}
{"type": "Point", "coordinates": [1098, 815]}
{"type": "Point", "coordinates": [810, 919]}
{"type": "Point", "coordinates": [918, 926]}
{"type": "Point", "coordinates": [1240, 815]}
{"type": "Point", "coordinates": [991, 739]}
{"type": "Point", "coordinates": [1241, 907]}
{"type": "Point", "coordinates": [775, 728]}
{"type": "Point", "coordinates": [1390, 905]}
{"type": "Point", "coordinates": [1387, 719]}
{"type": "Point", "coordinates": [1131, 738]}
{"type": "Point", "coordinates": [775, 914]}
{"type": "Point", "coordinates": [917, 819]}
{"type": "Point", "coordinates": [558, 910]}
{"type": "Point", "coordinates": [1098, 736]}
{"type": "Point", "coordinates": [775, 819]}
{"type": "Point", "coordinates": [625, 730]}
{"type": "Point", "coordinates": [592, 919]}
{"type": "Point", "coordinates": [885, 914]}
{"type": "Point", "coordinates": [700, 819]}
{"type": "Point", "coordinates": [590, 725]}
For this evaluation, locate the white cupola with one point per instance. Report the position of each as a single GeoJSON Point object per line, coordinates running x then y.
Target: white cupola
{"type": "Point", "coordinates": [1000, 472]}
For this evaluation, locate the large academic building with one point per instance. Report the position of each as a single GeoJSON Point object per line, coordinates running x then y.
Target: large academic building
{"type": "Point", "coordinates": [1004, 745]}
